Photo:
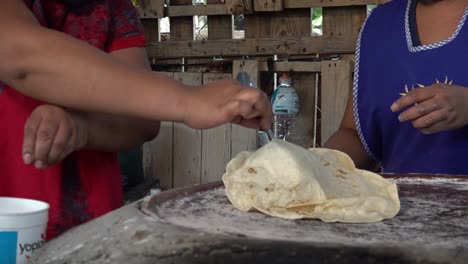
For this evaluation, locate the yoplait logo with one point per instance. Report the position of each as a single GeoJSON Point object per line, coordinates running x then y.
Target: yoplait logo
{"type": "Point", "coordinates": [31, 247]}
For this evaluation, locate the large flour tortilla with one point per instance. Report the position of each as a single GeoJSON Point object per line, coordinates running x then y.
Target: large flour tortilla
{"type": "Point", "coordinates": [284, 180]}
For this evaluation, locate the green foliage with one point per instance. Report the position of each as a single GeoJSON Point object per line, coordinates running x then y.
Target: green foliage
{"type": "Point", "coordinates": [317, 17]}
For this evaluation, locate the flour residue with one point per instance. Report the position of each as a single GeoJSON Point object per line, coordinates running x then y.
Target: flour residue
{"type": "Point", "coordinates": [456, 183]}
{"type": "Point", "coordinates": [424, 219]}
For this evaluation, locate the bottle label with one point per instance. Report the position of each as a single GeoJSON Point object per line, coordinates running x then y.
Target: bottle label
{"type": "Point", "coordinates": [285, 101]}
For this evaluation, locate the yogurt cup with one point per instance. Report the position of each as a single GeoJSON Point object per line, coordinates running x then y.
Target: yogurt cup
{"type": "Point", "coordinates": [23, 224]}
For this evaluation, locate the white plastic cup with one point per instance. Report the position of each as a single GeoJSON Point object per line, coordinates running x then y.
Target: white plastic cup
{"type": "Point", "coordinates": [23, 224]}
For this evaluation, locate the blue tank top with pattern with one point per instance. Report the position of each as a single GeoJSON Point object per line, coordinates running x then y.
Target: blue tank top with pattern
{"type": "Point", "coordinates": [389, 59]}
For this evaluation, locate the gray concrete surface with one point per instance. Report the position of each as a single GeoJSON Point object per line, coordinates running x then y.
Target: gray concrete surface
{"type": "Point", "coordinates": [189, 226]}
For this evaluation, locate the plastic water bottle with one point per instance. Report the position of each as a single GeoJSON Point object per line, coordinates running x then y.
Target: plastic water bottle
{"type": "Point", "coordinates": [285, 103]}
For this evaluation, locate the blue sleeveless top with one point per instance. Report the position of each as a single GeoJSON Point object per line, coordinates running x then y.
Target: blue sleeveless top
{"type": "Point", "coordinates": [388, 58]}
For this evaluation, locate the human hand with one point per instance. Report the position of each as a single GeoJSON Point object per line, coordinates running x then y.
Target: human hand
{"type": "Point", "coordinates": [50, 134]}
{"type": "Point", "coordinates": [227, 101]}
{"type": "Point", "coordinates": [435, 108]}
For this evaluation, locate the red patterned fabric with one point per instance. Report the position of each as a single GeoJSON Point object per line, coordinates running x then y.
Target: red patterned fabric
{"type": "Point", "coordinates": [87, 184]}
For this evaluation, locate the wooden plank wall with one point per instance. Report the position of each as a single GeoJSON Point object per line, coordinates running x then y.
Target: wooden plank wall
{"type": "Point", "coordinates": [342, 19]}
{"type": "Point", "coordinates": [182, 156]}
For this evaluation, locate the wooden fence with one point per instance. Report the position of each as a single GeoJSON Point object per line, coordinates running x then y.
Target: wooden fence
{"type": "Point", "coordinates": [182, 156]}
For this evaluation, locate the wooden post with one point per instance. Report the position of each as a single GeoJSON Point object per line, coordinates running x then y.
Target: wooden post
{"type": "Point", "coordinates": [219, 27]}
{"type": "Point", "coordinates": [336, 84]}
{"type": "Point", "coordinates": [187, 143]}
{"type": "Point", "coordinates": [181, 27]}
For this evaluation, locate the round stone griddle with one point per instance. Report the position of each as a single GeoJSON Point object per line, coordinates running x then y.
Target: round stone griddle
{"type": "Point", "coordinates": [431, 227]}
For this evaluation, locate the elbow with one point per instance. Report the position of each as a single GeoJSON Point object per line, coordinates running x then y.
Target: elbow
{"type": "Point", "coordinates": [13, 69]}
{"type": "Point", "coordinates": [21, 56]}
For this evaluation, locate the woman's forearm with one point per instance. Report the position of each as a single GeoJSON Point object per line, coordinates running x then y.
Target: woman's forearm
{"type": "Point", "coordinates": [347, 141]}
{"type": "Point", "coordinates": [108, 132]}
{"type": "Point", "coordinates": [58, 69]}
{"type": "Point", "coordinates": [115, 133]}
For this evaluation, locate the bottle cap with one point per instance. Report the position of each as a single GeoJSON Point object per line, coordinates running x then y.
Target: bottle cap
{"type": "Point", "coordinates": [285, 79]}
